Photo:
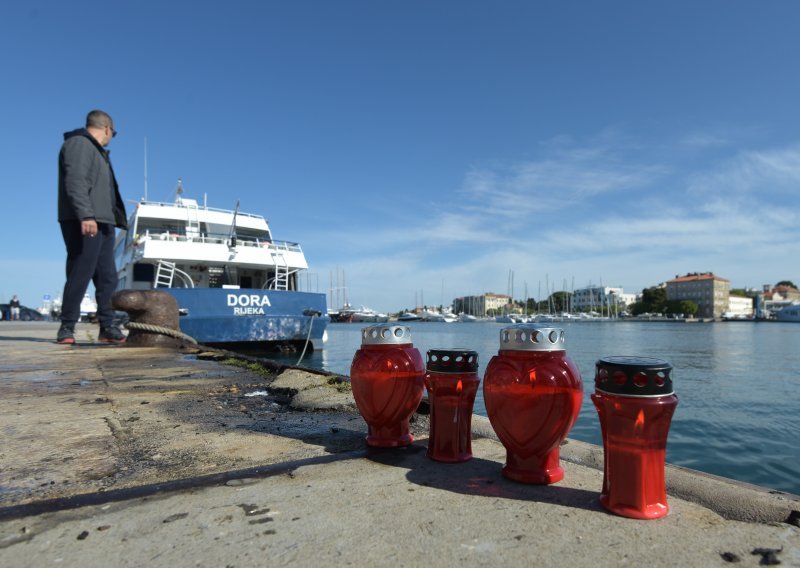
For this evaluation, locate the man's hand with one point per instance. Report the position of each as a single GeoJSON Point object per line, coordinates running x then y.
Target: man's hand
{"type": "Point", "coordinates": [89, 227]}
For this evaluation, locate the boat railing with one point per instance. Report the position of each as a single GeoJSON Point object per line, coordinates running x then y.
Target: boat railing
{"type": "Point", "coordinates": [272, 283]}
{"type": "Point", "coordinates": [204, 208]}
{"type": "Point", "coordinates": [184, 278]}
{"type": "Point", "coordinates": [217, 238]}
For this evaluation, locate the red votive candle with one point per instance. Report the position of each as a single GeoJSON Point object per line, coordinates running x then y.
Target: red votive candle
{"type": "Point", "coordinates": [452, 382]}
{"type": "Point", "coordinates": [387, 377]}
{"type": "Point", "coordinates": [635, 401]}
{"type": "Point", "coordinates": [533, 394]}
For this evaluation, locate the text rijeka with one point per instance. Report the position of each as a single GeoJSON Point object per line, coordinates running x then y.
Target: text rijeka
{"type": "Point", "coordinates": [248, 304]}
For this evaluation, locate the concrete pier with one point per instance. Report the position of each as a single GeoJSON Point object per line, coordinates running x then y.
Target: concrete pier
{"type": "Point", "coordinates": [151, 457]}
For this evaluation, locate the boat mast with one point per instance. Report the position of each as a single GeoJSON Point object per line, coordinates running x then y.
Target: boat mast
{"type": "Point", "coordinates": [232, 235]}
{"type": "Point", "coordinates": [526, 298]}
{"type": "Point", "coordinates": [145, 168]}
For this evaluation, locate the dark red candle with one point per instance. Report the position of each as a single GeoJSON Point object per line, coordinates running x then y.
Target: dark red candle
{"type": "Point", "coordinates": [533, 394]}
{"type": "Point", "coordinates": [452, 382]}
{"type": "Point", "coordinates": [635, 401]}
{"type": "Point", "coordinates": [387, 377]}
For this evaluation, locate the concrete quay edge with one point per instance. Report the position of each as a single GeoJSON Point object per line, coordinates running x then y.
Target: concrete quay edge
{"type": "Point", "coordinates": [267, 485]}
{"type": "Point", "coordinates": [731, 499]}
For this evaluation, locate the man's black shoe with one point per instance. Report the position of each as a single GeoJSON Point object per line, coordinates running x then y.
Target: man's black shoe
{"type": "Point", "coordinates": [66, 335]}
{"type": "Point", "coordinates": [111, 334]}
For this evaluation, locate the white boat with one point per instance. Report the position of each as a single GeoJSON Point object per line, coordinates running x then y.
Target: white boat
{"type": "Point", "coordinates": [547, 318]}
{"type": "Point", "coordinates": [789, 313]}
{"type": "Point", "coordinates": [233, 282]}
{"type": "Point", "coordinates": [88, 308]}
{"type": "Point", "coordinates": [466, 318]}
{"type": "Point", "coordinates": [511, 318]}
{"type": "Point", "coordinates": [436, 316]}
{"type": "Point", "coordinates": [368, 315]}
{"type": "Point", "coordinates": [408, 316]}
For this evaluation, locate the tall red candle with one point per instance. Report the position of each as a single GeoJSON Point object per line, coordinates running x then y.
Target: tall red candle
{"type": "Point", "coordinates": [387, 377]}
{"type": "Point", "coordinates": [533, 394]}
{"type": "Point", "coordinates": [635, 400]}
{"type": "Point", "coordinates": [452, 382]}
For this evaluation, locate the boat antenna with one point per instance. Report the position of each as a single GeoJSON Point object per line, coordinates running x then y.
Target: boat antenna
{"type": "Point", "coordinates": [232, 241]}
{"type": "Point", "coordinates": [145, 168]}
{"type": "Point", "coordinates": [179, 190]}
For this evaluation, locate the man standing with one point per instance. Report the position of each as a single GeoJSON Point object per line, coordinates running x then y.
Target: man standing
{"type": "Point", "coordinates": [89, 207]}
{"type": "Point", "coordinates": [14, 307]}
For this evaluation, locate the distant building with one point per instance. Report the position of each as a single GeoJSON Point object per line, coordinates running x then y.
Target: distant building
{"type": "Point", "coordinates": [781, 293]}
{"type": "Point", "coordinates": [740, 307]}
{"type": "Point", "coordinates": [772, 299]}
{"type": "Point", "coordinates": [710, 292]}
{"type": "Point", "coordinates": [599, 298]}
{"type": "Point", "coordinates": [480, 305]}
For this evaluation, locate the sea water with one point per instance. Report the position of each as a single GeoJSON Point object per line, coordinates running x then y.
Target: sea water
{"type": "Point", "coordinates": [738, 384]}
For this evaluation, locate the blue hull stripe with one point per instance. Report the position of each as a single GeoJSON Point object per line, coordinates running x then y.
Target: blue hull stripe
{"type": "Point", "coordinates": [219, 315]}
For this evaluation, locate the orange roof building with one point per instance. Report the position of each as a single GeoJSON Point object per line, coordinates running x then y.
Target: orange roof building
{"type": "Point", "coordinates": [710, 292]}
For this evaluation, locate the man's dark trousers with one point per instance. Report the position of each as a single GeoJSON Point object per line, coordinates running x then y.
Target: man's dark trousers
{"type": "Point", "coordinates": [88, 258]}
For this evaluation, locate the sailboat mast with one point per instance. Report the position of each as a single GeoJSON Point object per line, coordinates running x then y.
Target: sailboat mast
{"type": "Point", "coordinates": [145, 168]}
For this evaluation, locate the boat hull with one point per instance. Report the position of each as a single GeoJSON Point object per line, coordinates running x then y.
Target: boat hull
{"type": "Point", "coordinates": [789, 313]}
{"type": "Point", "coordinates": [221, 316]}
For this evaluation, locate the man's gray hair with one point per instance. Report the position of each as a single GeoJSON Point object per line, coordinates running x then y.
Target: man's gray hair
{"type": "Point", "coordinates": [98, 119]}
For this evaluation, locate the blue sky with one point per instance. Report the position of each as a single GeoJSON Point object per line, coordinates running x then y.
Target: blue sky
{"type": "Point", "coordinates": [426, 148]}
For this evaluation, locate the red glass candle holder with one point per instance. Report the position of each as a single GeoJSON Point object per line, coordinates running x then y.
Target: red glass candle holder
{"type": "Point", "coordinates": [635, 401]}
{"type": "Point", "coordinates": [533, 394]}
{"type": "Point", "coordinates": [452, 382]}
{"type": "Point", "coordinates": [387, 377]}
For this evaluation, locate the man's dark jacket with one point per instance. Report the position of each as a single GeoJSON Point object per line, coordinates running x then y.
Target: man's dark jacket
{"type": "Point", "coordinates": [87, 188]}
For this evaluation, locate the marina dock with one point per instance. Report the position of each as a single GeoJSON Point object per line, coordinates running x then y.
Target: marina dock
{"type": "Point", "coordinates": [123, 456]}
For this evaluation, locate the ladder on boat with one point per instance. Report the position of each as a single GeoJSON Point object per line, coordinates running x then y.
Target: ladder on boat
{"type": "Point", "coordinates": [165, 274]}
{"type": "Point", "coordinates": [192, 219]}
{"type": "Point", "coordinates": [281, 271]}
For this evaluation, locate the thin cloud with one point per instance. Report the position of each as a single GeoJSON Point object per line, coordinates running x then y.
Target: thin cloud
{"type": "Point", "coordinates": [572, 175]}
{"type": "Point", "coordinates": [581, 215]}
{"type": "Point", "coordinates": [759, 173]}
{"type": "Point", "coordinates": [704, 140]}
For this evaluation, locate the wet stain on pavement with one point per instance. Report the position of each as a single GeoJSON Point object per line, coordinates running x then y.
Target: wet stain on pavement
{"type": "Point", "coordinates": [253, 510]}
{"type": "Point", "coordinates": [175, 517]}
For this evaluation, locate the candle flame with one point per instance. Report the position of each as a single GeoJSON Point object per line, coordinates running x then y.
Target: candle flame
{"type": "Point", "coordinates": [532, 376]}
{"type": "Point", "coordinates": [638, 426]}
{"type": "Point", "coordinates": [459, 387]}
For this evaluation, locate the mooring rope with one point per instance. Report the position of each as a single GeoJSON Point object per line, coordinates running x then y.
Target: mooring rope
{"type": "Point", "coordinates": [308, 338]}
{"type": "Point", "coordinates": [161, 330]}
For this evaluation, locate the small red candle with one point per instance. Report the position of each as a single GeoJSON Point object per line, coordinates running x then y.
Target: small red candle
{"type": "Point", "coordinates": [387, 377]}
{"type": "Point", "coordinates": [452, 382]}
{"type": "Point", "coordinates": [533, 394]}
{"type": "Point", "coordinates": [635, 402]}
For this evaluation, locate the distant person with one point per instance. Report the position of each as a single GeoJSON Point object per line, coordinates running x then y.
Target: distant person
{"type": "Point", "coordinates": [89, 207]}
{"type": "Point", "coordinates": [13, 306]}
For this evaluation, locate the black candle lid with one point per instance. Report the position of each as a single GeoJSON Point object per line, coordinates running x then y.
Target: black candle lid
{"type": "Point", "coordinates": [452, 361]}
{"type": "Point", "coordinates": [633, 376]}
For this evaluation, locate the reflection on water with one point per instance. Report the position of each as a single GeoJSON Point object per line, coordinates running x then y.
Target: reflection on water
{"type": "Point", "coordinates": [738, 385]}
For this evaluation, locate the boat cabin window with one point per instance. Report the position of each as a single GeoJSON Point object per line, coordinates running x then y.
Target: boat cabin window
{"type": "Point", "coordinates": [143, 272]}
{"type": "Point", "coordinates": [157, 226]}
{"type": "Point", "coordinates": [253, 235]}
